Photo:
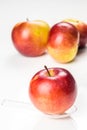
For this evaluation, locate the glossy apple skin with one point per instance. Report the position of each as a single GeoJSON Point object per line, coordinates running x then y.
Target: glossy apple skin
{"type": "Point", "coordinates": [30, 37]}
{"type": "Point", "coordinates": [53, 94]}
{"type": "Point", "coordinates": [63, 42]}
{"type": "Point", "coordinates": [82, 28]}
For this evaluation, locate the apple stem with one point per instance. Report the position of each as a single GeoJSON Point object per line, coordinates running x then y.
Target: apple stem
{"type": "Point", "coordinates": [47, 70]}
{"type": "Point", "coordinates": [27, 19]}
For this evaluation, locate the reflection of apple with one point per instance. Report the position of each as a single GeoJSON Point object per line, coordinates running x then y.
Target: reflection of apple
{"type": "Point", "coordinates": [30, 37]}
{"type": "Point", "coordinates": [82, 28]}
{"type": "Point", "coordinates": [53, 90]}
{"type": "Point", "coordinates": [63, 42]}
{"type": "Point", "coordinates": [49, 124]}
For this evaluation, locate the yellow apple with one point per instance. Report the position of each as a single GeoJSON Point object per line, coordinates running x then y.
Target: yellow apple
{"type": "Point", "coordinates": [63, 42]}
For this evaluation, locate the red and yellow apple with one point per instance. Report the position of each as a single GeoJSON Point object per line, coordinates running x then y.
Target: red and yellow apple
{"type": "Point", "coordinates": [63, 42]}
{"type": "Point", "coordinates": [82, 28]}
{"type": "Point", "coordinates": [30, 37]}
{"type": "Point", "coordinates": [53, 91]}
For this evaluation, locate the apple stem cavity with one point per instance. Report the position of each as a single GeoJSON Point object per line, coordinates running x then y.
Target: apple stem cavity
{"type": "Point", "coordinates": [47, 70]}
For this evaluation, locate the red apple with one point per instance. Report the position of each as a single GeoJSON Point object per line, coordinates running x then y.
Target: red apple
{"type": "Point", "coordinates": [82, 28]}
{"type": "Point", "coordinates": [30, 37]}
{"type": "Point", "coordinates": [53, 91]}
{"type": "Point", "coordinates": [63, 42]}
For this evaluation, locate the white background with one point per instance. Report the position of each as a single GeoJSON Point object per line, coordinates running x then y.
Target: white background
{"type": "Point", "coordinates": [16, 110]}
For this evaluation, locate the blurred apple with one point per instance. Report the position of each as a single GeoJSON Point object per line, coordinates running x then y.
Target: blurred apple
{"type": "Point", "coordinates": [63, 42]}
{"type": "Point", "coordinates": [82, 28]}
{"type": "Point", "coordinates": [30, 37]}
{"type": "Point", "coordinates": [53, 90]}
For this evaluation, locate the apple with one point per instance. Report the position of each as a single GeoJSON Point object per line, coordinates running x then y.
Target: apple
{"type": "Point", "coordinates": [82, 28]}
{"type": "Point", "coordinates": [30, 37]}
{"type": "Point", "coordinates": [63, 42]}
{"type": "Point", "coordinates": [53, 90]}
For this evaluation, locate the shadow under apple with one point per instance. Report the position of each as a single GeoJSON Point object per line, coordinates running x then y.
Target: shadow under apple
{"type": "Point", "coordinates": [56, 124]}
{"type": "Point", "coordinates": [20, 62]}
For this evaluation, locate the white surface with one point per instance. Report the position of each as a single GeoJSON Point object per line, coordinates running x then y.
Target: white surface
{"type": "Point", "coordinates": [16, 70]}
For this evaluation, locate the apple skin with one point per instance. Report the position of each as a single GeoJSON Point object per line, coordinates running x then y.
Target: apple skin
{"type": "Point", "coordinates": [53, 94]}
{"type": "Point", "coordinates": [63, 42]}
{"type": "Point", "coordinates": [82, 28]}
{"type": "Point", "coordinates": [30, 37]}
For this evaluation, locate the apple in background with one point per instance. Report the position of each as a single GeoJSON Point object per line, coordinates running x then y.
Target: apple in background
{"type": "Point", "coordinates": [30, 37]}
{"type": "Point", "coordinates": [82, 28]}
{"type": "Point", "coordinates": [53, 90]}
{"type": "Point", "coordinates": [63, 42]}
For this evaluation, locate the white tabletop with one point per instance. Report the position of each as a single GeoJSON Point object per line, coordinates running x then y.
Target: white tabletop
{"type": "Point", "coordinates": [16, 110]}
